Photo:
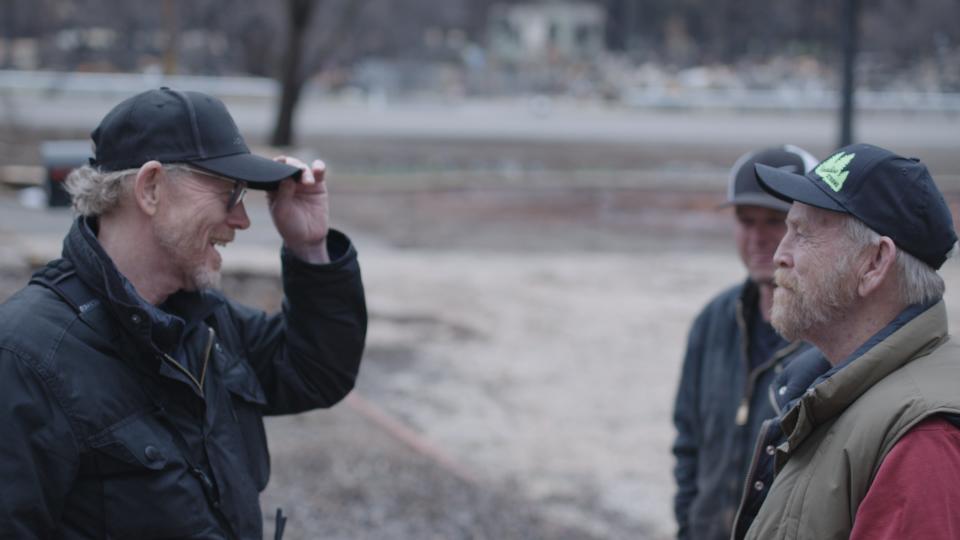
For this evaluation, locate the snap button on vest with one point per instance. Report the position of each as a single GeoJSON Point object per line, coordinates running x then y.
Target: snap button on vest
{"type": "Point", "coordinates": [152, 454]}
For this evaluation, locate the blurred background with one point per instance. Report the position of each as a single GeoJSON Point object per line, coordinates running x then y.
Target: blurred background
{"type": "Point", "coordinates": [532, 187]}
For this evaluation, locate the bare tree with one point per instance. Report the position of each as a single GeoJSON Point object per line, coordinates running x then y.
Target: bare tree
{"type": "Point", "coordinates": [295, 69]}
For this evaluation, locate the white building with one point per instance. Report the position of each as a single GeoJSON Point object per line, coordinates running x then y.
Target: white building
{"type": "Point", "coordinates": [546, 31]}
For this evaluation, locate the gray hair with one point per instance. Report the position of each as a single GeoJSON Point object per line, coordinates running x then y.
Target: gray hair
{"type": "Point", "coordinates": [95, 192]}
{"type": "Point", "coordinates": [919, 282]}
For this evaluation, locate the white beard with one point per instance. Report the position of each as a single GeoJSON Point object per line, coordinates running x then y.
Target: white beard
{"type": "Point", "coordinates": [798, 309]}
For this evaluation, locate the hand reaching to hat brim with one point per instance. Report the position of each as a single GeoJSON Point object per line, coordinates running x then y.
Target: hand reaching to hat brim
{"type": "Point", "coordinates": [301, 211]}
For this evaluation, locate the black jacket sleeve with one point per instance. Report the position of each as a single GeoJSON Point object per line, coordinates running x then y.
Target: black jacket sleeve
{"type": "Point", "coordinates": [308, 355]}
{"type": "Point", "coordinates": [38, 452]}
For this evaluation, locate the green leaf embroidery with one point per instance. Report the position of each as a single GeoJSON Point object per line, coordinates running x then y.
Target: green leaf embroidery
{"type": "Point", "coordinates": [832, 170]}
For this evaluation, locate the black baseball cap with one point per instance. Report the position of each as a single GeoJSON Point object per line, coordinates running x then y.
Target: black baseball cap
{"type": "Point", "coordinates": [893, 195]}
{"type": "Point", "coordinates": [171, 126]}
{"type": "Point", "coordinates": [742, 187]}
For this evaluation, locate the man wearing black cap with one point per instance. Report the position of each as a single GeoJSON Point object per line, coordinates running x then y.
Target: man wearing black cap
{"type": "Point", "coordinates": [131, 391]}
{"type": "Point", "coordinates": [732, 355]}
{"type": "Point", "coordinates": [871, 448]}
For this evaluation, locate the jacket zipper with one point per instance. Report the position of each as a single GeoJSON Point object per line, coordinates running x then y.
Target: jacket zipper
{"type": "Point", "coordinates": [206, 359]}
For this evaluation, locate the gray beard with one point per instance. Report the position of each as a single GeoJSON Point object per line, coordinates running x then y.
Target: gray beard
{"type": "Point", "coordinates": [204, 278]}
{"type": "Point", "coordinates": [813, 306]}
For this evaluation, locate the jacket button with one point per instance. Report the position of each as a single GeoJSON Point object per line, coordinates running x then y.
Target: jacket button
{"type": "Point", "coordinates": [135, 318]}
{"type": "Point", "coordinates": [782, 391]}
{"type": "Point", "coordinates": [152, 454]}
{"type": "Point", "coordinates": [758, 485]}
{"type": "Point", "coordinates": [771, 450]}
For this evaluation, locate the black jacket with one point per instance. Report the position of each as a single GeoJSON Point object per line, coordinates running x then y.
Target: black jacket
{"type": "Point", "coordinates": [719, 409]}
{"type": "Point", "coordinates": [121, 420]}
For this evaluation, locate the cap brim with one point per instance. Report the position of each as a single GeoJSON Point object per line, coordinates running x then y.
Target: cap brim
{"type": "Point", "coordinates": [758, 199]}
{"type": "Point", "coordinates": [258, 172]}
{"type": "Point", "coordinates": [791, 187]}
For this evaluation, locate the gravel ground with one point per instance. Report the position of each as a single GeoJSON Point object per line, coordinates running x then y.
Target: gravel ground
{"type": "Point", "coordinates": [349, 473]}
{"type": "Point", "coordinates": [338, 475]}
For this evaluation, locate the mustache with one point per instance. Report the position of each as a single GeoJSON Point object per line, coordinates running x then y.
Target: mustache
{"type": "Point", "coordinates": [226, 238]}
{"type": "Point", "coordinates": [782, 279]}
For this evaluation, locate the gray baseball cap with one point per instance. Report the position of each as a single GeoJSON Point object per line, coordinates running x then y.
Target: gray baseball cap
{"type": "Point", "coordinates": [743, 188]}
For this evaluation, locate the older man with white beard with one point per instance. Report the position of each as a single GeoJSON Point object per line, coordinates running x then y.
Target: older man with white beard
{"type": "Point", "coordinates": [132, 393]}
{"type": "Point", "coordinates": [870, 448]}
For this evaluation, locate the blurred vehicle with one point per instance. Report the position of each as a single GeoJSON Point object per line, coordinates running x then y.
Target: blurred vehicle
{"type": "Point", "coordinates": [59, 158]}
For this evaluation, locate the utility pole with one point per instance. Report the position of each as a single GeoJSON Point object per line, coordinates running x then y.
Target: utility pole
{"type": "Point", "coordinates": [849, 36]}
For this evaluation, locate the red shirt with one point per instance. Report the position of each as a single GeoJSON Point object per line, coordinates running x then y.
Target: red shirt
{"type": "Point", "coordinates": [916, 493]}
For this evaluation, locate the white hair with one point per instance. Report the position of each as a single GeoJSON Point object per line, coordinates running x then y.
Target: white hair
{"type": "Point", "coordinates": [919, 282]}
{"type": "Point", "coordinates": [95, 192]}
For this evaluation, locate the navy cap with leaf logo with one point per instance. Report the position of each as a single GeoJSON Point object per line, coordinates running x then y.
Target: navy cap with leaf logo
{"type": "Point", "coordinates": [893, 195]}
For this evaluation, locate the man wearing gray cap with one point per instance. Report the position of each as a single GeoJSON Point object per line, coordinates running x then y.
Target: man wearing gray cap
{"type": "Point", "coordinates": [732, 355]}
{"type": "Point", "coordinates": [871, 448]}
{"type": "Point", "coordinates": [132, 392]}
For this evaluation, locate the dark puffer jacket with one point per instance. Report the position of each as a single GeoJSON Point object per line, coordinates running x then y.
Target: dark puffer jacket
{"type": "Point", "coordinates": [720, 406]}
{"type": "Point", "coordinates": [126, 421]}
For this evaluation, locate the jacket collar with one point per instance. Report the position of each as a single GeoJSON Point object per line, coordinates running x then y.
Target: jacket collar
{"type": "Point", "coordinates": [829, 397]}
{"type": "Point", "coordinates": [797, 376]}
{"type": "Point", "coordinates": [148, 324]}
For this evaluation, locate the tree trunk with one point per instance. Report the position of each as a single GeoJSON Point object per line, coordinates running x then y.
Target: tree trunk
{"type": "Point", "coordinates": [294, 73]}
{"type": "Point", "coordinates": [291, 77]}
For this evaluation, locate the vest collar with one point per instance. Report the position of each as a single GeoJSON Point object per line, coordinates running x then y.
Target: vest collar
{"type": "Point", "coordinates": [825, 401]}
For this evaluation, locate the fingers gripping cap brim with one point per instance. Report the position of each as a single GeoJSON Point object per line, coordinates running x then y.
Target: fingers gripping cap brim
{"type": "Point", "coordinates": [790, 187]}
{"type": "Point", "coordinates": [258, 172]}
